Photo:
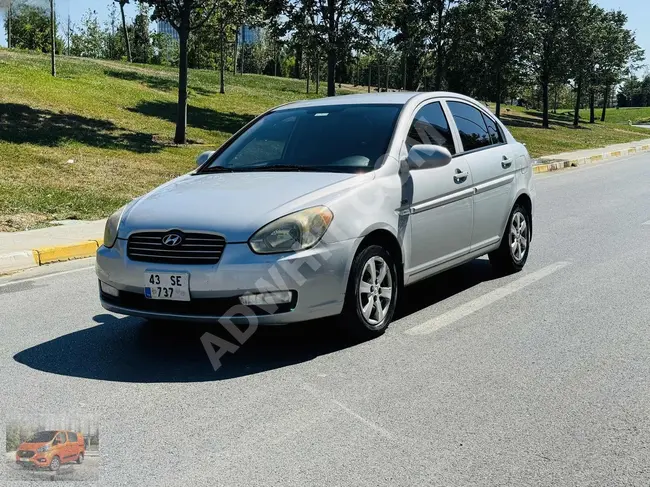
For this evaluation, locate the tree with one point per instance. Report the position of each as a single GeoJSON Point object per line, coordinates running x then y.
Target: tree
{"type": "Point", "coordinates": [30, 27]}
{"type": "Point", "coordinates": [88, 40]}
{"type": "Point", "coordinates": [141, 42]}
{"type": "Point", "coordinates": [619, 53]}
{"type": "Point", "coordinates": [124, 30]}
{"type": "Point", "coordinates": [550, 19]}
{"type": "Point", "coordinates": [184, 16]}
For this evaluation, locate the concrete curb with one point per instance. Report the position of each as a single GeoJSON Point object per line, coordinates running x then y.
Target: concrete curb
{"type": "Point", "coordinates": [565, 163]}
{"type": "Point", "coordinates": [25, 259]}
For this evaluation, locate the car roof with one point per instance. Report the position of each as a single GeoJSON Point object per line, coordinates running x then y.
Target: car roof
{"type": "Point", "coordinates": [390, 98]}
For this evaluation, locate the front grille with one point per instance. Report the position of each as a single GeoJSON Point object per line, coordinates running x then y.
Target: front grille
{"type": "Point", "coordinates": [196, 307]}
{"type": "Point", "coordinates": [25, 453]}
{"type": "Point", "coordinates": [196, 248]}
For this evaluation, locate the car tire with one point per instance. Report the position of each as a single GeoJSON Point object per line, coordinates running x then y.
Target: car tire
{"type": "Point", "coordinates": [55, 464]}
{"type": "Point", "coordinates": [370, 302]}
{"type": "Point", "coordinates": [80, 459]}
{"type": "Point", "coordinates": [512, 254]}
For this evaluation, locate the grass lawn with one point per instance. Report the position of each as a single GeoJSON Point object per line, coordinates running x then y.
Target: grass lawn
{"type": "Point", "coordinates": [84, 143]}
{"type": "Point", "coordinates": [526, 126]}
{"type": "Point", "coordinates": [621, 115]}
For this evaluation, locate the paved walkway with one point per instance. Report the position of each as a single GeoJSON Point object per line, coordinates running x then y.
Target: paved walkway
{"type": "Point", "coordinates": [51, 236]}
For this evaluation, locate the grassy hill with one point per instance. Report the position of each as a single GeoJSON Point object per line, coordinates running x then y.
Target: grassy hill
{"type": "Point", "coordinates": [84, 143]}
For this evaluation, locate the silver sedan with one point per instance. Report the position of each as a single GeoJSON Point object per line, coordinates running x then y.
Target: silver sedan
{"type": "Point", "coordinates": [324, 207]}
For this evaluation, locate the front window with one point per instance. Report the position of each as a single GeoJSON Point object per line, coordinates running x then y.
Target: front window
{"type": "Point", "coordinates": [42, 437]}
{"type": "Point", "coordinates": [337, 138]}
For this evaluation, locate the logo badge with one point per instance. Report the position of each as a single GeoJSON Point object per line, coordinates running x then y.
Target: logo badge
{"type": "Point", "coordinates": [172, 240]}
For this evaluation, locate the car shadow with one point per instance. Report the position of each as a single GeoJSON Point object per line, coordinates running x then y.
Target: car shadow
{"type": "Point", "coordinates": [133, 350]}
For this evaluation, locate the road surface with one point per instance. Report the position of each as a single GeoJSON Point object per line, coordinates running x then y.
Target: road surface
{"type": "Point", "coordinates": [541, 378]}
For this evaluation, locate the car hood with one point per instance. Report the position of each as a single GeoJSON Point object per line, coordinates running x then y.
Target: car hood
{"type": "Point", "coordinates": [32, 446]}
{"type": "Point", "coordinates": [232, 204]}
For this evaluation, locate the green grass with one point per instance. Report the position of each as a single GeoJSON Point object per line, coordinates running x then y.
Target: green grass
{"type": "Point", "coordinates": [621, 115]}
{"type": "Point", "coordinates": [114, 122]}
{"type": "Point", "coordinates": [526, 126]}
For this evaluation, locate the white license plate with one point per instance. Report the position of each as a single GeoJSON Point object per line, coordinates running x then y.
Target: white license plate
{"type": "Point", "coordinates": [171, 286]}
{"type": "Point", "coordinates": [24, 459]}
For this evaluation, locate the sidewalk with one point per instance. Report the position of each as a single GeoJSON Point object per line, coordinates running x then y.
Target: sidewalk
{"type": "Point", "coordinates": [22, 250]}
{"type": "Point", "coordinates": [588, 156]}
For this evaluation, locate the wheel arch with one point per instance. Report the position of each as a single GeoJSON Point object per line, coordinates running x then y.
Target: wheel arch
{"type": "Point", "coordinates": [525, 200]}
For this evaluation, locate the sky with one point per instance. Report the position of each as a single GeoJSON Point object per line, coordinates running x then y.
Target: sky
{"type": "Point", "coordinates": [638, 12]}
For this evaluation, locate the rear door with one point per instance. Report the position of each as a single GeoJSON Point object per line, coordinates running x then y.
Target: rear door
{"type": "Point", "coordinates": [491, 163]}
{"type": "Point", "coordinates": [441, 206]}
{"type": "Point", "coordinates": [74, 445]}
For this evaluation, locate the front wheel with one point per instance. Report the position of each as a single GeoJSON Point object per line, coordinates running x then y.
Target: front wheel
{"type": "Point", "coordinates": [55, 464]}
{"type": "Point", "coordinates": [512, 254]}
{"type": "Point", "coordinates": [371, 295]}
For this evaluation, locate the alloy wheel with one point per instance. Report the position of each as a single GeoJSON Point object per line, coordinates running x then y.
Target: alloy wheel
{"type": "Point", "coordinates": [518, 236]}
{"type": "Point", "coordinates": [375, 291]}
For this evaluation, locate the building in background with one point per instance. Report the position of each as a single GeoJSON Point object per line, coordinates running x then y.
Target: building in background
{"type": "Point", "coordinates": [249, 35]}
{"type": "Point", "coordinates": [165, 27]}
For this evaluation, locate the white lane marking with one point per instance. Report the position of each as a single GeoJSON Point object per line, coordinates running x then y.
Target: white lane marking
{"type": "Point", "coordinates": [54, 274]}
{"type": "Point", "coordinates": [481, 302]}
{"type": "Point", "coordinates": [646, 223]}
{"type": "Point", "coordinates": [382, 431]}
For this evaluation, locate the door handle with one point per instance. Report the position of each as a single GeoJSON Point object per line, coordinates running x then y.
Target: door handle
{"type": "Point", "coordinates": [506, 162]}
{"type": "Point", "coordinates": [460, 176]}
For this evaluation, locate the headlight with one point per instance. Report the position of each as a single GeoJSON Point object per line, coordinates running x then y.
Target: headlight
{"type": "Point", "coordinates": [297, 231]}
{"type": "Point", "coordinates": [112, 225]}
{"type": "Point", "coordinates": [43, 448]}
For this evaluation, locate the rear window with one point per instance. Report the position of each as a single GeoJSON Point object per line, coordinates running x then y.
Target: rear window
{"type": "Point", "coordinates": [72, 437]}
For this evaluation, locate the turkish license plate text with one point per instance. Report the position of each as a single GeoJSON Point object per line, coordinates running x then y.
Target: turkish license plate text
{"type": "Point", "coordinates": [172, 286]}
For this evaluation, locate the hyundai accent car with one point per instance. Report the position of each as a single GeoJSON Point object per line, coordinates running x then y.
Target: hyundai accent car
{"type": "Point", "coordinates": [324, 207]}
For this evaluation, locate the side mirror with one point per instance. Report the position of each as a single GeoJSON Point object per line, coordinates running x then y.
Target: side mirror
{"type": "Point", "coordinates": [427, 156]}
{"type": "Point", "coordinates": [204, 157]}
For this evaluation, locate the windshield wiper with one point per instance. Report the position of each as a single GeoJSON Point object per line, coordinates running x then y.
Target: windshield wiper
{"type": "Point", "coordinates": [283, 167]}
{"type": "Point", "coordinates": [212, 169]}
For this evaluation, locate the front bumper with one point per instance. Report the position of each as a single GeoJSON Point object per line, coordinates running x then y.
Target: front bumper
{"type": "Point", "coordinates": [317, 276]}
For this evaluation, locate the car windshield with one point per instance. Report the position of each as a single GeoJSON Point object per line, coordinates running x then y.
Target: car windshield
{"type": "Point", "coordinates": [42, 436]}
{"type": "Point", "coordinates": [337, 138]}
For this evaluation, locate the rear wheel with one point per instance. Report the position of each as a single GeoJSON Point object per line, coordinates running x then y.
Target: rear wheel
{"type": "Point", "coordinates": [512, 254]}
{"type": "Point", "coordinates": [55, 464]}
{"type": "Point", "coordinates": [371, 295]}
{"type": "Point", "coordinates": [80, 458]}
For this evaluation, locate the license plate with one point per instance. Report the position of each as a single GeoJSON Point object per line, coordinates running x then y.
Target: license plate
{"type": "Point", "coordinates": [24, 459]}
{"type": "Point", "coordinates": [171, 286]}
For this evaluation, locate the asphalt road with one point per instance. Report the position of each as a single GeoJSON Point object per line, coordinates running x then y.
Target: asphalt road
{"type": "Point", "coordinates": [88, 471]}
{"type": "Point", "coordinates": [541, 378]}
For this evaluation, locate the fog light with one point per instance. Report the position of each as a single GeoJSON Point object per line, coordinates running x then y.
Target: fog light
{"type": "Point", "coordinates": [277, 297]}
{"type": "Point", "coordinates": [110, 290]}
{"type": "Point", "coordinates": [41, 459]}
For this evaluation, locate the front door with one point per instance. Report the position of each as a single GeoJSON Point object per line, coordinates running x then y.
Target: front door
{"type": "Point", "coordinates": [441, 204]}
{"type": "Point", "coordinates": [491, 162]}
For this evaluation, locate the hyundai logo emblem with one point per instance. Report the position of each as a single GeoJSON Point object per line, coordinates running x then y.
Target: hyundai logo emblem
{"type": "Point", "coordinates": [172, 240]}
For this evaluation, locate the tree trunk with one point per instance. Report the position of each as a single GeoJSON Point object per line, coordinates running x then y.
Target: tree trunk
{"type": "Point", "coordinates": [126, 33]}
{"type": "Point", "coordinates": [404, 76]}
{"type": "Point", "coordinates": [605, 103]}
{"type": "Point", "coordinates": [222, 87]}
{"type": "Point", "coordinates": [243, 49]}
{"type": "Point", "coordinates": [438, 78]}
{"type": "Point", "coordinates": [9, 15]}
{"type": "Point", "coordinates": [378, 77]}
{"type": "Point", "coordinates": [576, 112]}
{"type": "Point", "coordinates": [234, 64]}
{"type": "Point", "coordinates": [356, 78]}
{"type": "Point", "coordinates": [369, 76]}
{"type": "Point", "coordinates": [387, 76]}
{"type": "Point", "coordinates": [331, 67]}
{"type": "Point", "coordinates": [555, 101]}
{"type": "Point", "coordinates": [497, 110]}
{"type": "Point", "coordinates": [181, 116]}
{"type": "Point", "coordinates": [317, 73]}
{"type": "Point", "coordinates": [275, 60]}
{"type": "Point", "coordinates": [592, 108]}
{"type": "Point", "coordinates": [308, 74]}
{"type": "Point", "coordinates": [545, 102]}
{"type": "Point", "coordinates": [298, 65]}
{"type": "Point", "coordinates": [53, 37]}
